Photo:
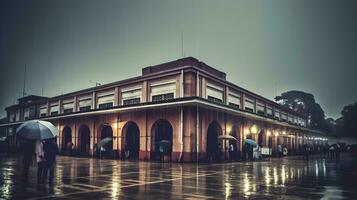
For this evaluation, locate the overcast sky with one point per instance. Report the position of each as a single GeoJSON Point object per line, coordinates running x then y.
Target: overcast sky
{"type": "Point", "coordinates": [267, 47]}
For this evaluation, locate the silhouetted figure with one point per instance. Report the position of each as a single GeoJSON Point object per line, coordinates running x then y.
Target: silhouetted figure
{"type": "Point", "coordinates": [51, 151]}
{"type": "Point", "coordinates": [28, 149]}
{"type": "Point", "coordinates": [337, 152]}
{"type": "Point", "coordinates": [69, 148]}
{"type": "Point", "coordinates": [280, 151]}
{"type": "Point", "coordinates": [306, 152]}
{"type": "Point", "coordinates": [231, 152]}
{"type": "Point", "coordinates": [250, 152]}
{"type": "Point", "coordinates": [41, 162]}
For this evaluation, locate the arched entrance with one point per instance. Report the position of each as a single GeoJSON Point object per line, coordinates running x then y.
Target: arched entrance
{"type": "Point", "coordinates": [106, 132]}
{"type": "Point", "coordinates": [84, 140]}
{"type": "Point", "coordinates": [212, 146]}
{"type": "Point", "coordinates": [67, 140]}
{"type": "Point", "coordinates": [162, 132]}
{"type": "Point", "coordinates": [131, 141]}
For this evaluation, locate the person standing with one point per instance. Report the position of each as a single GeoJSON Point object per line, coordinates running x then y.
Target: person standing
{"type": "Point", "coordinates": [28, 150]}
{"type": "Point", "coordinates": [51, 151]}
{"type": "Point", "coordinates": [231, 152]}
{"type": "Point", "coordinates": [280, 151]}
{"type": "Point", "coordinates": [41, 163]}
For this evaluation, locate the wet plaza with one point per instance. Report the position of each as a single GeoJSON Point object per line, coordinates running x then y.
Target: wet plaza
{"type": "Point", "coordinates": [86, 178]}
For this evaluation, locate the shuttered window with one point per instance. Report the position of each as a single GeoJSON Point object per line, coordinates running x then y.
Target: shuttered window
{"type": "Point", "coordinates": [290, 118]}
{"type": "Point", "coordinates": [12, 117]}
{"type": "Point", "coordinates": [234, 100]}
{"type": "Point", "coordinates": [269, 111]}
{"type": "Point", "coordinates": [277, 114]}
{"type": "Point", "coordinates": [214, 93]}
{"type": "Point", "coordinates": [131, 96]}
{"type": "Point", "coordinates": [284, 116]}
{"type": "Point", "coordinates": [260, 108]}
{"type": "Point", "coordinates": [54, 109]}
{"type": "Point", "coordinates": [85, 103]}
{"type": "Point", "coordinates": [249, 104]}
{"type": "Point", "coordinates": [26, 113]}
{"type": "Point", "coordinates": [68, 108]}
{"type": "Point", "coordinates": [163, 91]}
{"type": "Point", "coordinates": [105, 100]}
{"type": "Point", "coordinates": [43, 110]}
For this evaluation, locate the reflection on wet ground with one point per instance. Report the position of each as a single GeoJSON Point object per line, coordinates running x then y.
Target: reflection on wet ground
{"type": "Point", "coordinates": [287, 178]}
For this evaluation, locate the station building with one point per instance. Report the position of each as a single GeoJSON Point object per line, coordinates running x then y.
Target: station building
{"type": "Point", "coordinates": [185, 103]}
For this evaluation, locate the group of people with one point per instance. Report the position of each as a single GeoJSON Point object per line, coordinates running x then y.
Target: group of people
{"type": "Point", "coordinates": [45, 152]}
{"type": "Point", "coordinates": [334, 152]}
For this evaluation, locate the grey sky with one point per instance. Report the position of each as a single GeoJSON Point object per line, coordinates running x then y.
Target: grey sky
{"type": "Point", "coordinates": [263, 46]}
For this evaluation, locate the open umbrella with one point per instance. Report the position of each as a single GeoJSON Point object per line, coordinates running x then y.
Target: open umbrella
{"type": "Point", "coordinates": [226, 137]}
{"type": "Point", "coordinates": [164, 143]}
{"type": "Point", "coordinates": [37, 130]}
{"type": "Point", "coordinates": [104, 141]}
{"type": "Point", "coordinates": [251, 142]}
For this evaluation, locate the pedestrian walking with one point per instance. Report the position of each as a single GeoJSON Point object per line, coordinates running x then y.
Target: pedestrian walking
{"type": "Point", "coordinates": [231, 152]}
{"type": "Point", "coordinates": [51, 151]}
{"type": "Point", "coordinates": [69, 148]}
{"type": "Point", "coordinates": [41, 162]}
{"type": "Point", "coordinates": [28, 149]}
{"type": "Point", "coordinates": [280, 151]}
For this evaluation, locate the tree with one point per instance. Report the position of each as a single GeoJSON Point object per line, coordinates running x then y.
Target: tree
{"type": "Point", "coordinates": [305, 104]}
{"type": "Point", "coordinates": [347, 124]}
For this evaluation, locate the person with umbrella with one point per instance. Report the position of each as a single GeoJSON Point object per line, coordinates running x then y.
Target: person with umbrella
{"type": "Point", "coordinates": [51, 150]}
{"type": "Point", "coordinates": [37, 130]}
{"type": "Point", "coordinates": [41, 162]}
{"type": "Point", "coordinates": [28, 150]}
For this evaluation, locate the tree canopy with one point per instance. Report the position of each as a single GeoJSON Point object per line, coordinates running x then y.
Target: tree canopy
{"type": "Point", "coordinates": [347, 124]}
{"type": "Point", "coordinates": [305, 104]}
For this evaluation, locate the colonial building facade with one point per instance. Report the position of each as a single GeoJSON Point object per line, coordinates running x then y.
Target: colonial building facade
{"type": "Point", "coordinates": [185, 103]}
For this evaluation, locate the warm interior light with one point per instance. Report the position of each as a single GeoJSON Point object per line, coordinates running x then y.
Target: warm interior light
{"type": "Point", "coordinates": [268, 133]}
{"type": "Point", "coordinates": [254, 129]}
{"type": "Point", "coordinates": [229, 129]}
{"type": "Point", "coordinates": [246, 131]}
{"type": "Point", "coordinates": [276, 133]}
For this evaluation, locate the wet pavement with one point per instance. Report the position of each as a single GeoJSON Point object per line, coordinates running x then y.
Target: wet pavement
{"type": "Point", "coordinates": [286, 178]}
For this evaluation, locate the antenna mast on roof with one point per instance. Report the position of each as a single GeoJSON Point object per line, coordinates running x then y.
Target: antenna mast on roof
{"type": "Point", "coordinates": [182, 51]}
{"type": "Point", "coordinates": [24, 86]}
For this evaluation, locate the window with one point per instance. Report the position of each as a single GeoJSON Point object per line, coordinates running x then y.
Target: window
{"type": "Point", "coordinates": [277, 114]}
{"type": "Point", "coordinates": [85, 103]}
{"type": "Point", "coordinates": [43, 110]}
{"type": "Point", "coordinates": [131, 96]}
{"type": "Point", "coordinates": [269, 111]}
{"type": "Point", "coordinates": [131, 101]}
{"type": "Point", "coordinates": [26, 113]}
{"type": "Point", "coordinates": [12, 117]}
{"type": "Point", "coordinates": [105, 100]}
{"type": "Point", "coordinates": [18, 115]}
{"type": "Point", "coordinates": [295, 120]}
{"type": "Point", "coordinates": [284, 116]}
{"type": "Point", "coordinates": [54, 110]}
{"type": "Point", "coordinates": [68, 106]}
{"type": "Point", "coordinates": [249, 104]}
{"type": "Point", "coordinates": [260, 108]}
{"type": "Point", "coordinates": [162, 97]}
{"type": "Point", "coordinates": [303, 123]}
{"type": "Point", "coordinates": [290, 118]}
{"type": "Point", "coordinates": [234, 100]}
{"type": "Point", "coordinates": [214, 93]}
{"type": "Point", "coordinates": [163, 90]}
